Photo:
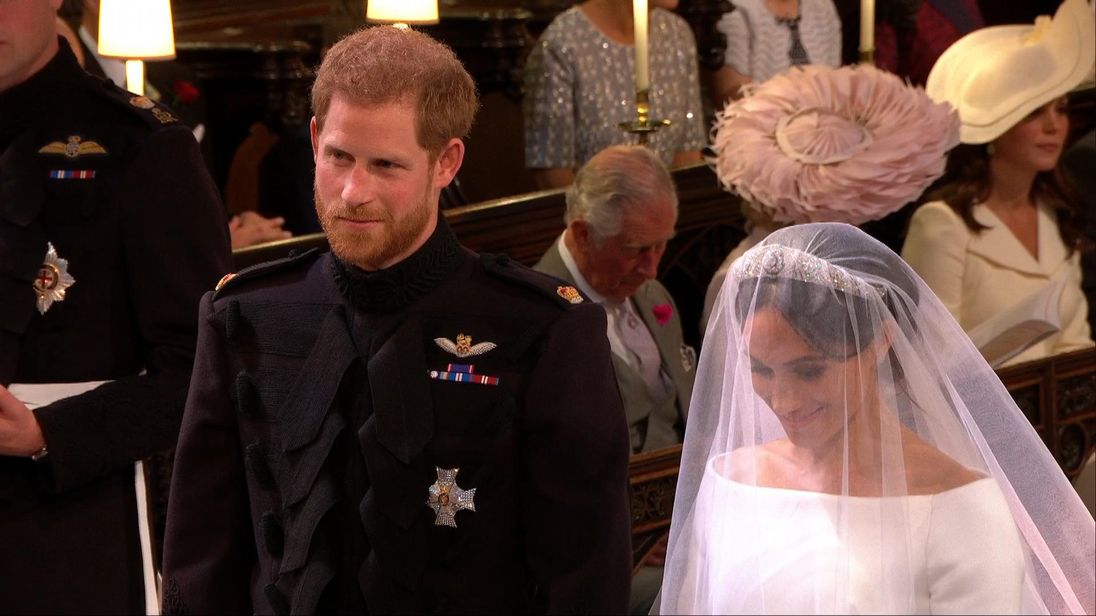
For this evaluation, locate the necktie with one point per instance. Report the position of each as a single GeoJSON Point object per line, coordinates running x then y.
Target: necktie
{"type": "Point", "coordinates": [638, 340]}
{"type": "Point", "coordinates": [797, 54]}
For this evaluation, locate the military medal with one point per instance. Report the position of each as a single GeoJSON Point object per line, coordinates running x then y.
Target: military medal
{"type": "Point", "coordinates": [72, 174]}
{"type": "Point", "coordinates": [463, 347]}
{"type": "Point", "coordinates": [462, 373]}
{"type": "Point", "coordinates": [570, 294]}
{"type": "Point", "coordinates": [52, 280]}
{"type": "Point", "coordinates": [446, 498]}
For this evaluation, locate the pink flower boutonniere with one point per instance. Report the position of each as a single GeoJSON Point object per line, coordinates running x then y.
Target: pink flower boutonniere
{"type": "Point", "coordinates": [663, 312]}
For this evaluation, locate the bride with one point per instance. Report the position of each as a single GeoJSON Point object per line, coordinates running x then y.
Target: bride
{"type": "Point", "coordinates": [851, 452]}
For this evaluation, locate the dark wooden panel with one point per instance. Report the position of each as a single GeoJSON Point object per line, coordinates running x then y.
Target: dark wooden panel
{"type": "Point", "coordinates": [1064, 390]}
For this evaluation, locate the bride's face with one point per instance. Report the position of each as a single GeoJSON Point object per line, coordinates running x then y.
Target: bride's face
{"type": "Point", "coordinates": [812, 394]}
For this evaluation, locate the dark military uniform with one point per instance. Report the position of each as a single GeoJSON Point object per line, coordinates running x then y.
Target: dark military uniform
{"type": "Point", "coordinates": [117, 186]}
{"type": "Point", "coordinates": [319, 417]}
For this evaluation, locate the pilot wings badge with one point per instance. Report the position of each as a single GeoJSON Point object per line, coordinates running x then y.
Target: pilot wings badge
{"type": "Point", "coordinates": [52, 280]}
{"type": "Point", "coordinates": [463, 347]}
{"type": "Point", "coordinates": [74, 148]}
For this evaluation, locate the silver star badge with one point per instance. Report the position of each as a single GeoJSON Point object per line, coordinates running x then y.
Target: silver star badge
{"type": "Point", "coordinates": [447, 498]}
{"type": "Point", "coordinates": [52, 280]}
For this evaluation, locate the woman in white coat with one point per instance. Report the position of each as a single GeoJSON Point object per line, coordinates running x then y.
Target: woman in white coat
{"type": "Point", "coordinates": [1004, 224]}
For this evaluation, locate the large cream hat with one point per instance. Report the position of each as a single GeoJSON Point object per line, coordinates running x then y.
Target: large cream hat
{"type": "Point", "coordinates": [996, 76]}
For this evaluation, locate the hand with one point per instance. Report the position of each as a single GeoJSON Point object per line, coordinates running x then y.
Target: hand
{"type": "Point", "coordinates": [19, 431]}
{"type": "Point", "coordinates": [657, 556]}
{"type": "Point", "coordinates": [250, 228]}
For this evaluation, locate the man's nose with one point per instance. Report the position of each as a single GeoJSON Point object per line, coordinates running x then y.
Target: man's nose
{"type": "Point", "coordinates": [358, 186]}
{"type": "Point", "coordinates": [648, 262]}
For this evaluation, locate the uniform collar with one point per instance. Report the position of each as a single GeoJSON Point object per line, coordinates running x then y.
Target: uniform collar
{"type": "Point", "coordinates": [398, 286]}
{"type": "Point", "coordinates": [53, 82]}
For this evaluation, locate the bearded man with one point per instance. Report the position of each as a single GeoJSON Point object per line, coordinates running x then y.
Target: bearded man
{"type": "Point", "coordinates": [400, 425]}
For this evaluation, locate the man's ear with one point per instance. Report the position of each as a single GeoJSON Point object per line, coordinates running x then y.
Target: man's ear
{"type": "Point", "coordinates": [448, 163]}
{"type": "Point", "coordinates": [579, 231]}
{"type": "Point", "coordinates": [315, 140]}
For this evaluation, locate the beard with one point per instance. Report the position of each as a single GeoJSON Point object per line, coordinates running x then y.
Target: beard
{"type": "Point", "coordinates": [377, 248]}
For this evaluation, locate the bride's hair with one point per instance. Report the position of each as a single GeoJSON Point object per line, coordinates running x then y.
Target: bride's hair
{"type": "Point", "coordinates": [821, 314]}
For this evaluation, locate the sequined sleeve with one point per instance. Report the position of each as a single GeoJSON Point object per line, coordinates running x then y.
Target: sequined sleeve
{"type": "Point", "coordinates": [548, 107]}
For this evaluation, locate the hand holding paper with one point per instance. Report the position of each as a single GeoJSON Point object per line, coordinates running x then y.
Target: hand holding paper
{"type": "Point", "coordinates": [19, 431]}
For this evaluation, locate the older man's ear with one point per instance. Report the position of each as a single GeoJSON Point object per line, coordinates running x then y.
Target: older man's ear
{"type": "Point", "coordinates": [579, 230]}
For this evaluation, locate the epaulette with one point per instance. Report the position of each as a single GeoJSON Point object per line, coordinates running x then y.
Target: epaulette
{"type": "Point", "coordinates": [152, 113]}
{"type": "Point", "coordinates": [562, 294]}
{"type": "Point", "coordinates": [228, 281]}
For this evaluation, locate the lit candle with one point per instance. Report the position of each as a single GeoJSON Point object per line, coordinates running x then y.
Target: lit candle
{"type": "Point", "coordinates": [867, 27]}
{"type": "Point", "coordinates": [639, 16]}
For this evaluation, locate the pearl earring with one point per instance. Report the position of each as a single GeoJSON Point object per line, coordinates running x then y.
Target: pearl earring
{"type": "Point", "coordinates": [990, 149]}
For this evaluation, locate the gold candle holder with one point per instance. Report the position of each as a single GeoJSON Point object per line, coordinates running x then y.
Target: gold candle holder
{"type": "Point", "coordinates": [643, 125]}
{"type": "Point", "coordinates": [867, 56]}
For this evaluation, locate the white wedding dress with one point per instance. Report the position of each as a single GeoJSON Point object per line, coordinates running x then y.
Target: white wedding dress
{"type": "Point", "coordinates": [956, 552]}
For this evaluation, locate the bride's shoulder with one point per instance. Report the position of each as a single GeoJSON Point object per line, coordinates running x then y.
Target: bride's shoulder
{"type": "Point", "coordinates": [931, 471]}
{"type": "Point", "coordinates": [752, 463]}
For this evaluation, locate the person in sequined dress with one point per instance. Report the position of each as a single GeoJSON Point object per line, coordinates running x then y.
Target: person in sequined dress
{"type": "Point", "coordinates": [579, 85]}
{"type": "Point", "coordinates": [766, 37]}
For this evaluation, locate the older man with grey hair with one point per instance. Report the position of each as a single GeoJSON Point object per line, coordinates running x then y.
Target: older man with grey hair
{"type": "Point", "coordinates": [621, 211]}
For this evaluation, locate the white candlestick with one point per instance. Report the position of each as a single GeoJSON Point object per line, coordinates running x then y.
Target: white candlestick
{"type": "Point", "coordinates": [639, 17]}
{"type": "Point", "coordinates": [867, 26]}
{"type": "Point", "coordinates": [135, 76]}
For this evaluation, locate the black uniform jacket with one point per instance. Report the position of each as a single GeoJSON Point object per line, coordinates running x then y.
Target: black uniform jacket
{"type": "Point", "coordinates": [117, 186]}
{"type": "Point", "coordinates": [319, 418]}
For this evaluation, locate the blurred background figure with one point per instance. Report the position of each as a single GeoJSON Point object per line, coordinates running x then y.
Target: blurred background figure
{"type": "Point", "coordinates": [621, 211]}
{"type": "Point", "coordinates": [910, 36]}
{"type": "Point", "coordinates": [1005, 223]}
{"type": "Point", "coordinates": [167, 82]}
{"type": "Point", "coordinates": [852, 144]}
{"type": "Point", "coordinates": [765, 37]}
{"type": "Point", "coordinates": [110, 231]}
{"type": "Point", "coordinates": [579, 85]}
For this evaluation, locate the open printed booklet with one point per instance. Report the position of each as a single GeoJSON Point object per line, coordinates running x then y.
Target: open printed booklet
{"type": "Point", "coordinates": [36, 395]}
{"type": "Point", "coordinates": [1017, 328]}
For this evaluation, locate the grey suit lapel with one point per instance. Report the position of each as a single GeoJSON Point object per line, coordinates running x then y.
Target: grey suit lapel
{"type": "Point", "coordinates": [552, 263]}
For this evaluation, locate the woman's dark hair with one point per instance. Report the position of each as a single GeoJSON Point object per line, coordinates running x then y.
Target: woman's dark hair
{"type": "Point", "coordinates": [822, 315]}
{"type": "Point", "coordinates": [967, 181]}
